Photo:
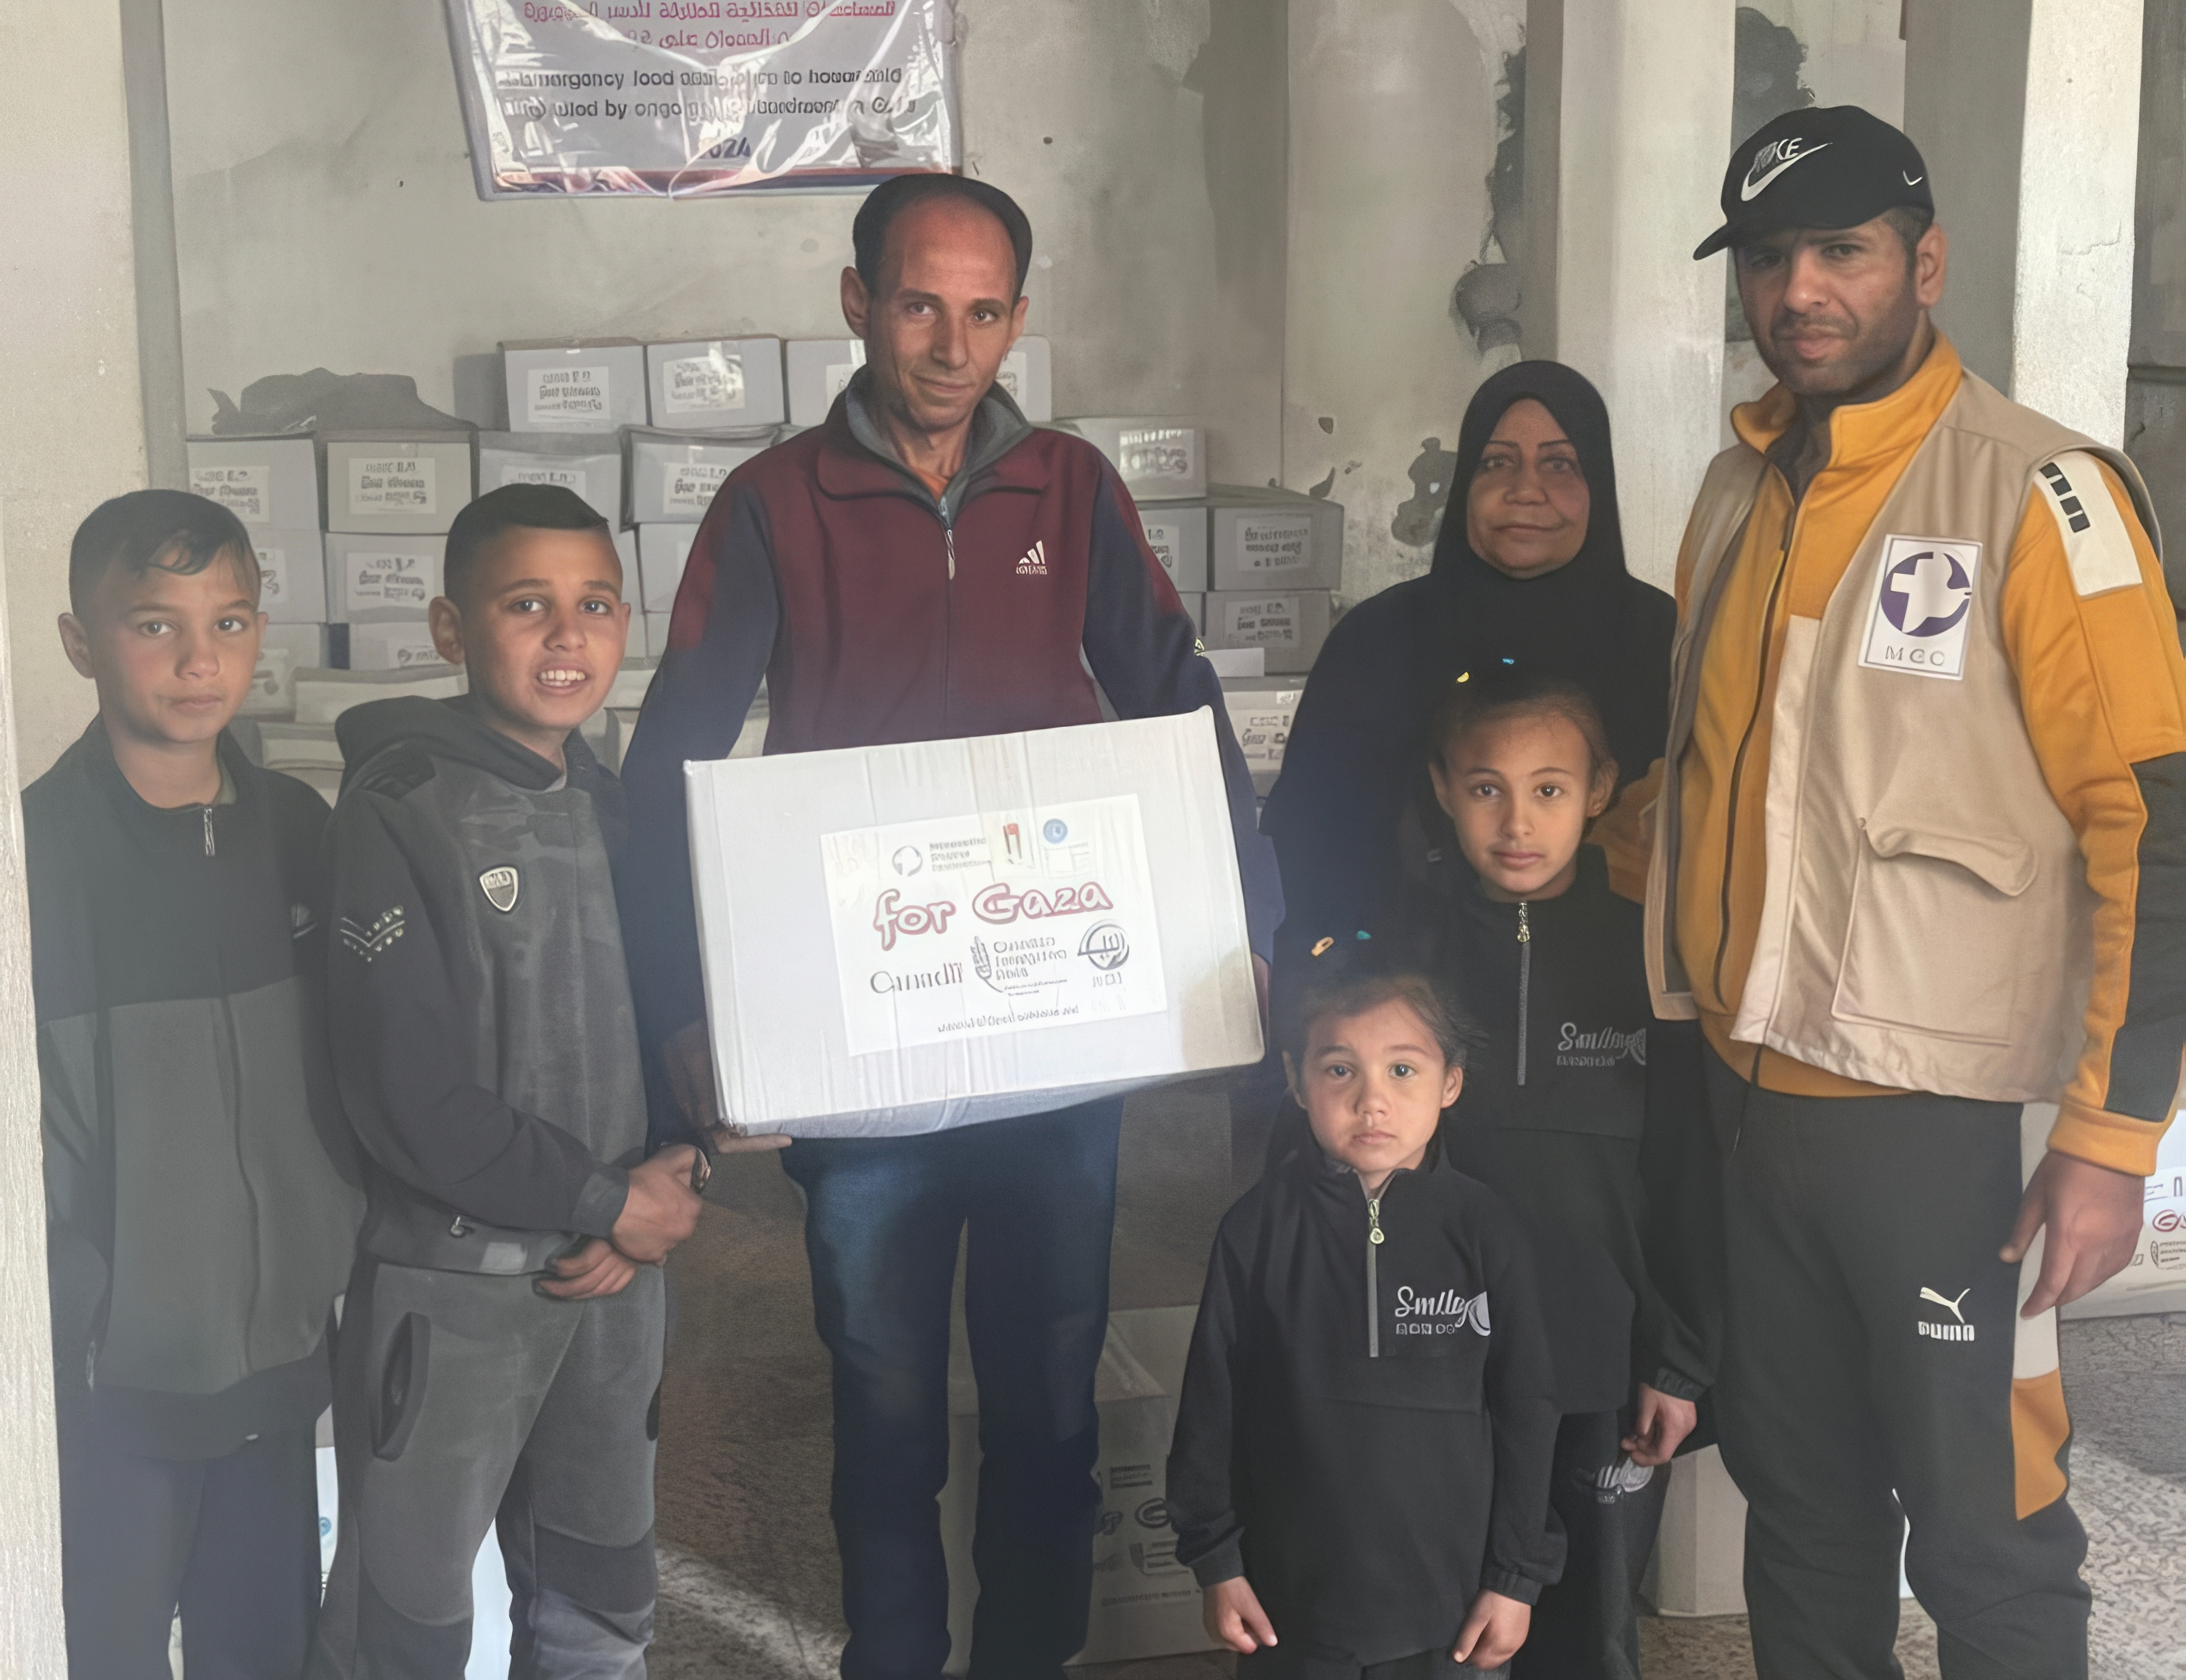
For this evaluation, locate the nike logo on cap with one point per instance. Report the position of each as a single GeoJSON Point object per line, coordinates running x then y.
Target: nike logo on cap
{"type": "Point", "coordinates": [1910, 180]}
{"type": "Point", "coordinates": [1775, 152]}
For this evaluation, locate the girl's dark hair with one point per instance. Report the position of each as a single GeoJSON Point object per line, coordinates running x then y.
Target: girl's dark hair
{"type": "Point", "coordinates": [170, 530]}
{"type": "Point", "coordinates": [1349, 977]}
{"type": "Point", "coordinates": [1506, 691]}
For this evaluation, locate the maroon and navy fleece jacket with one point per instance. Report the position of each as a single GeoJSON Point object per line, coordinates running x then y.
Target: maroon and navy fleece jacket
{"type": "Point", "coordinates": [879, 614]}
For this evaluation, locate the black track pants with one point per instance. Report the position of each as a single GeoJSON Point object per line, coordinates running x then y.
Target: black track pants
{"type": "Point", "coordinates": [1587, 1626]}
{"type": "Point", "coordinates": [233, 1542]}
{"type": "Point", "coordinates": [1869, 1367]}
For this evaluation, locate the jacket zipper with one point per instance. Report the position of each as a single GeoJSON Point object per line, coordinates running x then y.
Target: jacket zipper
{"type": "Point", "coordinates": [1373, 1277]}
{"type": "Point", "coordinates": [209, 851]}
{"type": "Point", "coordinates": [1525, 982]}
{"type": "Point", "coordinates": [1744, 746]}
{"type": "Point", "coordinates": [948, 611]}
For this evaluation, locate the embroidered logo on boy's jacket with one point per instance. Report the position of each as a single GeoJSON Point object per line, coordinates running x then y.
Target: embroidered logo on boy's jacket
{"type": "Point", "coordinates": [501, 886]}
{"type": "Point", "coordinates": [1615, 1481]}
{"type": "Point", "coordinates": [372, 939]}
{"type": "Point", "coordinates": [1442, 1315]}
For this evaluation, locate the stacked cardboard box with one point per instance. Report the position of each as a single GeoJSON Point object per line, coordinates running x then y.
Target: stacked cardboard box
{"type": "Point", "coordinates": [1256, 568]}
{"type": "Point", "coordinates": [715, 384]}
{"type": "Point", "coordinates": [390, 498]}
{"type": "Point", "coordinates": [272, 484]}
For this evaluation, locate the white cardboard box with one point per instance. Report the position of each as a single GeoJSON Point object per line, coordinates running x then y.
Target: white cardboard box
{"type": "Point", "coordinates": [590, 466]}
{"type": "Point", "coordinates": [403, 484]}
{"type": "Point", "coordinates": [1273, 540]}
{"type": "Point", "coordinates": [662, 551]}
{"type": "Point", "coordinates": [1027, 373]}
{"type": "Point", "coordinates": [292, 574]}
{"type": "Point", "coordinates": [1177, 534]}
{"type": "Point", "coordinates": [324, 695]}
{"type": "Point", "coordinates": [1290, 624]}
{"type": "Point", "coordinates": [282, 651]}
{"type": "Point", "coordinates": [574, 384]}
{"type": "Point", "coordinates": [715, 384]}
{"type": "Point", "coordinates": [907, 938]}
{"type": "Point", "coordinates": [673, 476]}
{"type": "Point", "coordinates": [818, 369]}
{"type": "Point", "coordinates": [1261, 712]}
{"type": "Point", "coordinates": [1159, 460]}
{"type": "Point", "coordinates": [401, 646]}
{"type": "Point", "coordinates": [270, 481]}
{"type": "Point", "coordinates": [382, 579]}
{"type": "Point", "coordinates": [1145, 1603]}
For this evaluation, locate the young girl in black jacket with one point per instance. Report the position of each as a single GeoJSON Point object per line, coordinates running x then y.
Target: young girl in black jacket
{"type": "Point", "coordinates": [1582, 1112]}
{"type": "Point", "coordinates": [1359, 1476]}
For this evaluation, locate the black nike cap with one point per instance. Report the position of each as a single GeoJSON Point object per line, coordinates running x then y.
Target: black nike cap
{"type": "Point", "coordinates": [1836, 167]}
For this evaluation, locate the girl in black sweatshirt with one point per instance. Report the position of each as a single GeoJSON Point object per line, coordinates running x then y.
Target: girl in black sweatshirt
{"type": "Point", "coordinates": [1583, 1112]}
{"type": "Point", "coordinates": [1359, 1474]}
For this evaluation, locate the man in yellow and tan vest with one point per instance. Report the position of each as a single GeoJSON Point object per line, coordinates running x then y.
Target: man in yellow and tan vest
{"type": "Point", "coordinates": [1919, 860]}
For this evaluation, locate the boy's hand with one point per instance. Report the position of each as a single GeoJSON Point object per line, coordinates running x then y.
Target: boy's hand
{"type": "Point", "coordinates": [1661, 1424]}
{"type": "Point", "coordinates": [662, 1209]}
{"type": "Point", "coordinates": [594, 1270]}
{"type": "Point", "coordinates": [1494, 1630]}
{"type": "Point", "coordinates": [1235, 1620]}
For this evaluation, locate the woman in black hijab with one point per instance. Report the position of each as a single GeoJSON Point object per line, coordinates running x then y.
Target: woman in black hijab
{"type": "Point", "coordinates": [1529, 570]}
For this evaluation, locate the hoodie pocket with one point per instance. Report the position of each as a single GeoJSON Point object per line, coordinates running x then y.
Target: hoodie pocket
{"type": "Point", "coordinates": [401, 1391]}
{"type": "Point", "coordinates": [1934, 942]}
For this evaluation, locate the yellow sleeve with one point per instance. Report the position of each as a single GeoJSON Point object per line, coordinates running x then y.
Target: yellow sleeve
{"type": "Point", "coordinates": [2093, 642]}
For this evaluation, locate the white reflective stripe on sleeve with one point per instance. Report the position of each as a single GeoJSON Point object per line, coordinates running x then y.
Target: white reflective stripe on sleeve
{"type": "Point", "coordinates": [2033, 1341]}
{"type": "Point", "coordinates": [2098, 547]}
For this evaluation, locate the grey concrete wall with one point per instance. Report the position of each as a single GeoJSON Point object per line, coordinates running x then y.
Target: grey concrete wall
{"type": "Point", "coordinates": [326, 214]}
{"type": "Point", "coordinates": [1393, 129]}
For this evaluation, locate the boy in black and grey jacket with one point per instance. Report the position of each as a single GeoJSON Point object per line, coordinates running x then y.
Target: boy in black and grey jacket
{"type": "Point", "coordinates": [1359, 1474]}
{"type": "Point", "coordinates": [500, 1355]}
{"type": "Point", "coordinates": [201, 1188]}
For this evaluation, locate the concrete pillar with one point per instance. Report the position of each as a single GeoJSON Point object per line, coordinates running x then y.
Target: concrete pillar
{"type": "Point", "coordinates": [2028, 113]}
{"type": "Point", "coordinates": [71, 432]}
{"type": "Point", "coordinates": [1627, 120]}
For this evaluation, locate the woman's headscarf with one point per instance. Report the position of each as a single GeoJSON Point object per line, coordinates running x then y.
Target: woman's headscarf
{"type": "Point", "coordinates": [1355, 755]}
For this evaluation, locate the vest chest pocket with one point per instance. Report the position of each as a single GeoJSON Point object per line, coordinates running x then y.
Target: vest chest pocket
{"type": "Point", "coordinates": [1934, 941]}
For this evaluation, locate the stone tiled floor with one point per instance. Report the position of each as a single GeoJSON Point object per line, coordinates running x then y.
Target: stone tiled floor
{"type": "Point", "coordinates": [748, 1575]}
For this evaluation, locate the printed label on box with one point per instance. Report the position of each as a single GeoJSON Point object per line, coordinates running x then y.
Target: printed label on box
{"type": "Point", "coordinates": [692, 485]}
{"type": "Point", "coordinates": [404, 654]}
{"type": "Point", "coordinates": [1163, 538]}
{"type": "Point", "coordinates": [1273, 623]}
{"type": "Point", "coordinates": [1013, 374]}
{"type": "Point", "coordinates": [839, 373]}
{"type": "Point", "coordinates": [692, 385]}
{"type": "Point", "coordinates": [393, 484]}
{"type": "Point", "coordinates": [1262, 722]}
{"type": "Point", "coordinates": [960, 928]}
{"type": "Point", "coordinates": [1280, 543]}
{"type": "Point", "coordinates": [389, 580]}
{"type": "Point", "coordinates": [569, 477]}
{"type": "Point", "coordinates": [1156, 452]}
{"type": "Point", "coordinates": [553, 394]}
{"type": "Point", "coordinates": [272, 568]}
{"type": "Point", "coordinates": [240, 490]}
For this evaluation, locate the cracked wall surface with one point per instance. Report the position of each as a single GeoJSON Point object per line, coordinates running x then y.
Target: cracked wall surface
{"type": "Point", "coordinates": [327, 217]}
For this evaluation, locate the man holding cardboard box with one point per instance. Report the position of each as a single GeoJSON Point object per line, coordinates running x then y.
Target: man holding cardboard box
{"type": "Point", "coordinates": [926, 566]}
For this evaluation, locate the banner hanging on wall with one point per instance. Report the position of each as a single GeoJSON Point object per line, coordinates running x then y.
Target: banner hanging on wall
{"type": "Point", "coordinates": [683, 99]}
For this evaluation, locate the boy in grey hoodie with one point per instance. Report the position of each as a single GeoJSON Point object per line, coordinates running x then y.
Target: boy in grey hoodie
{"type": "Point", "coordinates": [500, 1360]}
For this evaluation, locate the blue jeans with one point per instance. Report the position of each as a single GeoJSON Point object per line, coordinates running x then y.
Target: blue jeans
{"type": "Point", "coordinates": [882, 1217]}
